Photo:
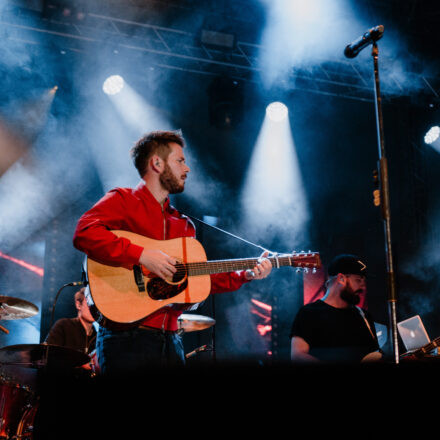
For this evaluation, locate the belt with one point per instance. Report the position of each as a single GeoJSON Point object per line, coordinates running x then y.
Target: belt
{"type": "Point", "coordinates": [155, 329]}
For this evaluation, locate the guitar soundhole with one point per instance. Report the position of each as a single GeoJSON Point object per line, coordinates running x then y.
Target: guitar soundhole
{"type": "Point", "coordinates": [180, 273]}
{"type": "Point", "coordinates": [159, 289]}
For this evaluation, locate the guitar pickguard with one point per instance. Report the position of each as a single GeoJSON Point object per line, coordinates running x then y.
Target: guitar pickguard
{"type": "Point", "coordinates": [158, 289]}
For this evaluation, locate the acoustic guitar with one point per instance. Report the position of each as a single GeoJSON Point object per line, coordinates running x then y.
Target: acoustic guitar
{"type": "Point", "coordinates": [421, 352]}
{"type": "Point", "coordinates": [117, 295]}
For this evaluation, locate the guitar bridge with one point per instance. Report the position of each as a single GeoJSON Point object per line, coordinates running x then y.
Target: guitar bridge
{"type": "Point", "coordinates": [139, 278]}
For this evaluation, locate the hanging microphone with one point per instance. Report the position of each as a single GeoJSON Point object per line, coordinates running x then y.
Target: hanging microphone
{"type": "Point", "coordinates": [83, 282]}
{"type": "Point", "coordinates": [78, 283]}
{"type": "Point", "coordinates": [370, 36]}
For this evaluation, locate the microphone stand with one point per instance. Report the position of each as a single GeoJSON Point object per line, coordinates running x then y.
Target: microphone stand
{"type": "Point", "coordinates": [385, 205]}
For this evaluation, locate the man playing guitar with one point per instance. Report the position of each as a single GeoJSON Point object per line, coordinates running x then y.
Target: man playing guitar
{"type": "Point", "coordinates": [146, 210]}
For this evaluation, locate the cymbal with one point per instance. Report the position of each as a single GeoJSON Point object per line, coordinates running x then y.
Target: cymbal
{"type": "Point", "coordinates": [42, 355]}
{"type": "Point", "coordinates": [15, 308]}
{"type": "Point", "coordinates": [191, 323]}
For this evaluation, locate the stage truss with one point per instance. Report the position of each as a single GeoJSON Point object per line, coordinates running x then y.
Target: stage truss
{"type": "Point", "coordinates": [181, 49]}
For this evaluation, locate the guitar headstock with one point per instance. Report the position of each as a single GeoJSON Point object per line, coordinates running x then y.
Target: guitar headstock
{"type": "Point", "coordinates": [306, 261]}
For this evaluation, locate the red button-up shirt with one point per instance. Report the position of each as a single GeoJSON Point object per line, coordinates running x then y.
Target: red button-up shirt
{"type": "Point", "coordinates": [136, 210]}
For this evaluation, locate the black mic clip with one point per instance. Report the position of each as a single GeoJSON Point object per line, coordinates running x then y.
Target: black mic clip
{"type": "Point", "coordinates": [371, 36]}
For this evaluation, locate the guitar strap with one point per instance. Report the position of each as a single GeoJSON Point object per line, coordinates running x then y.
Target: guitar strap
{"type": "Point", "coordinates": [229, 233]}
{"type": "Point", "coordinates": [213, 349]}
{"type": "Point", "coordinates": [361, 312]}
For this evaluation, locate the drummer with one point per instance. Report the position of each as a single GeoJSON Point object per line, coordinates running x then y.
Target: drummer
{"type": "Point", "coordinates": [78, 333]}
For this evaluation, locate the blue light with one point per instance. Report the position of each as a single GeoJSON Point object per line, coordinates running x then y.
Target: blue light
{"type": "Point", "coordinates": [113, 85]}
{"type": "Point", "coordinates": [432, 135]}
{"type": "Point", "coordinates": [277, 111]}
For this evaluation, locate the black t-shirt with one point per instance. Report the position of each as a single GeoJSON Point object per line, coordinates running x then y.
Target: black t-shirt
{"type": "Point", "coordinates": [333, 334]}
{"type": "Point", "coordinates": [69, 332]}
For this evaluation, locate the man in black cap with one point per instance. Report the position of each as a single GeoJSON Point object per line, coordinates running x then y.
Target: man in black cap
{"type": "Point", "coordinates": [334, 328]}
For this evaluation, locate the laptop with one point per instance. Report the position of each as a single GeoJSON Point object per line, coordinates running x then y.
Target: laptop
{"type": "Point", "coordinates": [413, 333]}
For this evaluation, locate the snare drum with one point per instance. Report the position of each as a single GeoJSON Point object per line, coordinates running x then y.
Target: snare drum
{"type": "Point", "coordinates": [15, 399]}
{"type": "Point", "coordinates": [25, 428]}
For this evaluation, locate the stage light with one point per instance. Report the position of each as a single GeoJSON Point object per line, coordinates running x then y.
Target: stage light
{"type": "Point", "coordinates": [273, 195]}
{"type": "Point", "coordinates": [113, 85]}
{"type": "Point", "coordinates": [277, 111]}
{"type": "Point", "coordinates": [136, 116]}
{"type": "Point", "coordinates": [432, 135]}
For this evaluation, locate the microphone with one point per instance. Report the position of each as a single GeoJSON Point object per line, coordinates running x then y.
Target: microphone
{"type": "Point", "coordinates": [356, 46]}
{"type": "Point", "coordinates": [78, 283]}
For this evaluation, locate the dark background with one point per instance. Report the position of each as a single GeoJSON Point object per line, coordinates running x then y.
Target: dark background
{"type": "Point", "coordinates": [82, 138]}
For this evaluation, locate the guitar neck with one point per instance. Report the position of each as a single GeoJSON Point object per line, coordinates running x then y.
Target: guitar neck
{"type": "Point", "coordinates": [429, 347]}
{"type": "Point", "coordinates": [221, 266]}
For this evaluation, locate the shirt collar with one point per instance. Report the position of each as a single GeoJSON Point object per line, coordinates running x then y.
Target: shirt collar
{"type": "Point", "coordinates": [142, 187]}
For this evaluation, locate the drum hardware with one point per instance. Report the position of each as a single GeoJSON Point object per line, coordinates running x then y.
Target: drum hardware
{"type": "Point", "coordinates": [42, 355]}
{"type": "Point", "coordinates": [94, 364]}
{"type": "Point", "coordinates": [190, 323]}
{"type": "Point", "coordinates": [16, 401]}
{"type": "Point", "coordinates": [198, 350]}
{"type": "Point", "coordinates": [25, 428]}
{"type": "Point", "coordinates": [15, 308]}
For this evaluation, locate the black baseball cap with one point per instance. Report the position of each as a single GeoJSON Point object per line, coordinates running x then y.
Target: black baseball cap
{"type": "Point", "coordinates": [348, 265]}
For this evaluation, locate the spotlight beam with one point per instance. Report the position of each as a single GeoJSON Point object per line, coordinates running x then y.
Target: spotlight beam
{"type": "Point", "coordinates": [273, 195]}
{"type": "Point", "coordinates": [38, 270]}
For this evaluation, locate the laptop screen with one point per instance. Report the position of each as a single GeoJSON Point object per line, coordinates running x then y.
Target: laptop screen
{"type": "Point", "coordinates": [413, 333]}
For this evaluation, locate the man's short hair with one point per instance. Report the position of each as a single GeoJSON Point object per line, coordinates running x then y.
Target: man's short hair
{"type": "Point", "coordinates": [156, 142]}
{"type": "Point", "coordinates": [80, 295]}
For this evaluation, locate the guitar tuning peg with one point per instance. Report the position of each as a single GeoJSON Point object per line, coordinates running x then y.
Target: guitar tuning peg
{"type": "Point", "coordinates": [298, 269]}
{"type": "Point", "coordinates": [306, 270]}
{"type": "Point", "coordinates": [314, 270]}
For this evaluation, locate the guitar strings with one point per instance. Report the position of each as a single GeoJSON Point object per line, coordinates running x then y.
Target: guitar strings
{"type": "Point", "coordinates": [207, 267]}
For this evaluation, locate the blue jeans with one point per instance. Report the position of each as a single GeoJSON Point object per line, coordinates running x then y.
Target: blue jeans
{"type": "Point", "coordinates": [137, 349]}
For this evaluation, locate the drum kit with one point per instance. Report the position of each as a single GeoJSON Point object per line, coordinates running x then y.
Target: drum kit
{"type": "Point", "coordinates": [190, 323]}
{"type": "Point", "coordinates": [20, 363]}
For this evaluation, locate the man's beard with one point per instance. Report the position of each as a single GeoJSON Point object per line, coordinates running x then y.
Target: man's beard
{"type": "Point", "coordinates": [351, 296]}
{"type": "Point", "coordinates": [170, 182]}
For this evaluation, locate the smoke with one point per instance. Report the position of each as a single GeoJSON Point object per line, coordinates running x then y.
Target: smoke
{"type": "Point", "coordinates": [301, 35]}
{"type": "Point", "coordinates": [273, 198]}
{"type": "Point", "coordinates": [420, 271]}
{"type": "Point", "coordinates": [56, 172]}
{"type": "Point", "coordinates": [203, 191]}
{"type": "Point", "coordinates": [38, 187]}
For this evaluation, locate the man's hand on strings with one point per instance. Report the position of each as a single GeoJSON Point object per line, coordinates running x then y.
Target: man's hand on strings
{"type": "Point", "coordinates": [158, 263]}
{"type": "Point", "coordinates": [261, 270]}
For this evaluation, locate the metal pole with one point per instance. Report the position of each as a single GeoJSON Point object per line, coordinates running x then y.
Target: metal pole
{"type": "Point", "coordinates": [385, 205]}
